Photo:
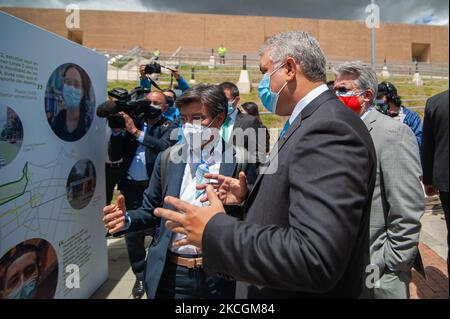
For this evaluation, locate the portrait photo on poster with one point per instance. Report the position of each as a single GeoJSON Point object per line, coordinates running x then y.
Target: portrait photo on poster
{"type": "Point", "coordinates": [29, 270]}
{"type": "Point", "coordinates": [69, 102]}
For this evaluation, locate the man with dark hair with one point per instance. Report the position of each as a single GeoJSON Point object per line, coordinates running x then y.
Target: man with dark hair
{"type": "Point", "coordinates": [138, 145]}
{"type": "Point", "coordinates": [177, 272]}
{"type": "Point", "coordinates": [20, 273]}
{"type": "Point", "coordinates": [242, 129]}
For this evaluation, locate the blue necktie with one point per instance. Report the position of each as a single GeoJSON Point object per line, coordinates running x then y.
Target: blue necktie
{"type": "Point", "coordinates": [285, 128]}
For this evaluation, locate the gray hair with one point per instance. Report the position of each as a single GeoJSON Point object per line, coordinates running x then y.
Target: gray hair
{"type": "Point", "coordinates": [366, 76]}
{"type": "Point", "coordinates": [301, 46]}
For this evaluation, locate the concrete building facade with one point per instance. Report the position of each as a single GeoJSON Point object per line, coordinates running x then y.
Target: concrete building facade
{"type": "Point", "coordinates": [114, 30]}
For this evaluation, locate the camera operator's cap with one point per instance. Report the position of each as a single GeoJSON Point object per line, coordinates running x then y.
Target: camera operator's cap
{"type": "Point", "coordinates": [387, 88]}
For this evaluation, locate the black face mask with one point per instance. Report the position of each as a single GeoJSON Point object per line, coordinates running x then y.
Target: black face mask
{"type": "Point", "coordinates": [152, 112]}
{"type": "Point", "coordinates": [393, 114]}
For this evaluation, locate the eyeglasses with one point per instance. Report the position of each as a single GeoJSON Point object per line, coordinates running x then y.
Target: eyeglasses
{"type": "Point", "coordinates": [343, 91]}
{"type": "Point", "coordinates": [195, 119]}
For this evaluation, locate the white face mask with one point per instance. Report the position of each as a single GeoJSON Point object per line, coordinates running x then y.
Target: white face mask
{"type": "Point", "coordinates": [196, 134]}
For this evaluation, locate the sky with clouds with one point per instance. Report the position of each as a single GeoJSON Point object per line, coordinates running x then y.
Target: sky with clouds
{"type": "Point", "coordinates": [433, 12]}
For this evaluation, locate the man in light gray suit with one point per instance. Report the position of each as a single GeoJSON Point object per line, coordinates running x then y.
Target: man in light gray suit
{"type": "Point", "coordinates": [398, 200]}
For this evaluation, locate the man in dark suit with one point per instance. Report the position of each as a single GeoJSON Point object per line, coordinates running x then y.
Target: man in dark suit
{"type": "Point", "coordinates": [177, 272]}
{"type": "Point", "coordinates": [306, 226]}
{"type": "Point", "coordinates": [242, 129]}
{"type": "Point", "coordinates": [435, 151]}
{"type": "Point", "coordinates": [138, 147]}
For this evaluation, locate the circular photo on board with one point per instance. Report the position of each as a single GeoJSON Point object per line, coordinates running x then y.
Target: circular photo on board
{"type": "Point", "coordinates": [11, 135]}
{"type": "Point", "coordinates": [69, 102]}
{"type": "Point", "coordinates": [81, 184]}
{"type": "Point", "coordinates": [29, 271]}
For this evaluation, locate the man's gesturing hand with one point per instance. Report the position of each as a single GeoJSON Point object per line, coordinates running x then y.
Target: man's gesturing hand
{"type": "Point", "coordinates": [114, 216]}
{"type": "Point", "coordinates": [190, 220]}
{"type": "Point", "coordinates": [231, 191]}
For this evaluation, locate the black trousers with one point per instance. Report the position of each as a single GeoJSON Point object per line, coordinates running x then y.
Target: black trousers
{"type": "Point", "coordinates": [113, 173]}
{"type": "Point", "coordinates": [135, 241]}
{"type": "Point", "coordinates": [178, 282]}
{"type": "Point", "coordinates": [444, 201]}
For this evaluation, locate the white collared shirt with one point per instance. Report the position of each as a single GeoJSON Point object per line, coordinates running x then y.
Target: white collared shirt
{"type": "Point", "coordinates": [366, 113]}
{"type": "Point", "coordinates": [306, 100]}
{"type": "Point", "coordinates": [401, 115]}
{"type": "Point", "coordinates": [188, 190]}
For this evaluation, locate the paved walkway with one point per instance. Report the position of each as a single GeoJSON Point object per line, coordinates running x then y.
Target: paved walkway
{"type": "Point", "coordinates": [433, 248]}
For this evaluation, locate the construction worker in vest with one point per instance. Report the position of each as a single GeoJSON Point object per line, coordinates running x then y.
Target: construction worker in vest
{"type": "Point", "coordinates": [156, 54]}
{"type": "Point", "coordinates": [222, 51]}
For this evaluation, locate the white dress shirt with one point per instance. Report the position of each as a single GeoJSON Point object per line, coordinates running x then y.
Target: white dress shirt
{"type": "Point", "coordinates": [188, 190]}
{"type": "Point", "coordinates": [306, 100]}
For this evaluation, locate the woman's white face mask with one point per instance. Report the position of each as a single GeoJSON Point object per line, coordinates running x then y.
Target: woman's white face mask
{"type": "Point", "coordinates": [197, 135]}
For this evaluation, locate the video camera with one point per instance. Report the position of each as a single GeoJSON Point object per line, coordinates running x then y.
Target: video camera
{"type": "Point", "coordinates": [153, 67]}
{"type": "Point", "coordinates": [133, 103]}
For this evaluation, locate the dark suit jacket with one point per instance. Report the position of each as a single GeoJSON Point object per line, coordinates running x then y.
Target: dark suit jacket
{"type": "Point", "coordinates": [251, 142]}
{"type": "Point", "coordinates": [156, 140]}
{"type": "Point", "coordinates": [435, 142]}
{"type": "Point", "coordinates": [143, 217]}
{"type": "Point", "coordinates": [306, 229]}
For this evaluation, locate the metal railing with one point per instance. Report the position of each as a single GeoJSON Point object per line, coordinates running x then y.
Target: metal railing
{"type": "Point", "coordinates": [200, 59]}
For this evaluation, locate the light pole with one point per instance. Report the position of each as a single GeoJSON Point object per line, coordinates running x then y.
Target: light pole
{"type": "Point", "coordinates": [374, 59]}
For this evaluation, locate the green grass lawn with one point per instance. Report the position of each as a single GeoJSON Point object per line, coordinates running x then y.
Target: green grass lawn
{"type": "Point", "coordinates": [406, 89]}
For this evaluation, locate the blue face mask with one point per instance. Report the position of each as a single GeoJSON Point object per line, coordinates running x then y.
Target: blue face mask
{"type": "Point", "coordinates": [178, 92]}
{"type": "Point", "coordinates": [27, 291]}
{"type": "Point", "coordinates": [268, 98]}
{"type": "Point", "coordinates": [72, 97]}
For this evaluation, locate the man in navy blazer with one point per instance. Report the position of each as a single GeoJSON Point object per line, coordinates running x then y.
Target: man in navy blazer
{"type": "Point", "coordinates": [305, 233]}
{"type": "Point", "coordinates": [177, 272]}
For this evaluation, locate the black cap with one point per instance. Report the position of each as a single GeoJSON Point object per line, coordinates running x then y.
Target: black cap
{"type": "Point", "coordinates": [387, 88]}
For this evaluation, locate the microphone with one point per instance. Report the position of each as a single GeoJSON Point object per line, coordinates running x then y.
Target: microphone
{"type": "Point", "coordinates": [107, 108]}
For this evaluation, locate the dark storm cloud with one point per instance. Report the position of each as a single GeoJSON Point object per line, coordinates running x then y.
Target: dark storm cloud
{"type": "Point", "coordinates": [401, 11]}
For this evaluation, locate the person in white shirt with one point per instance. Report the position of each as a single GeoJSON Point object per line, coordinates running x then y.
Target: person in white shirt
{"type": "Point", "coordinates": [172, 271]}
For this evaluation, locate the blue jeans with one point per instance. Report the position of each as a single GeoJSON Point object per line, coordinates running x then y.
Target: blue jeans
{"type": "Point", "coordinates": [178, 282]}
